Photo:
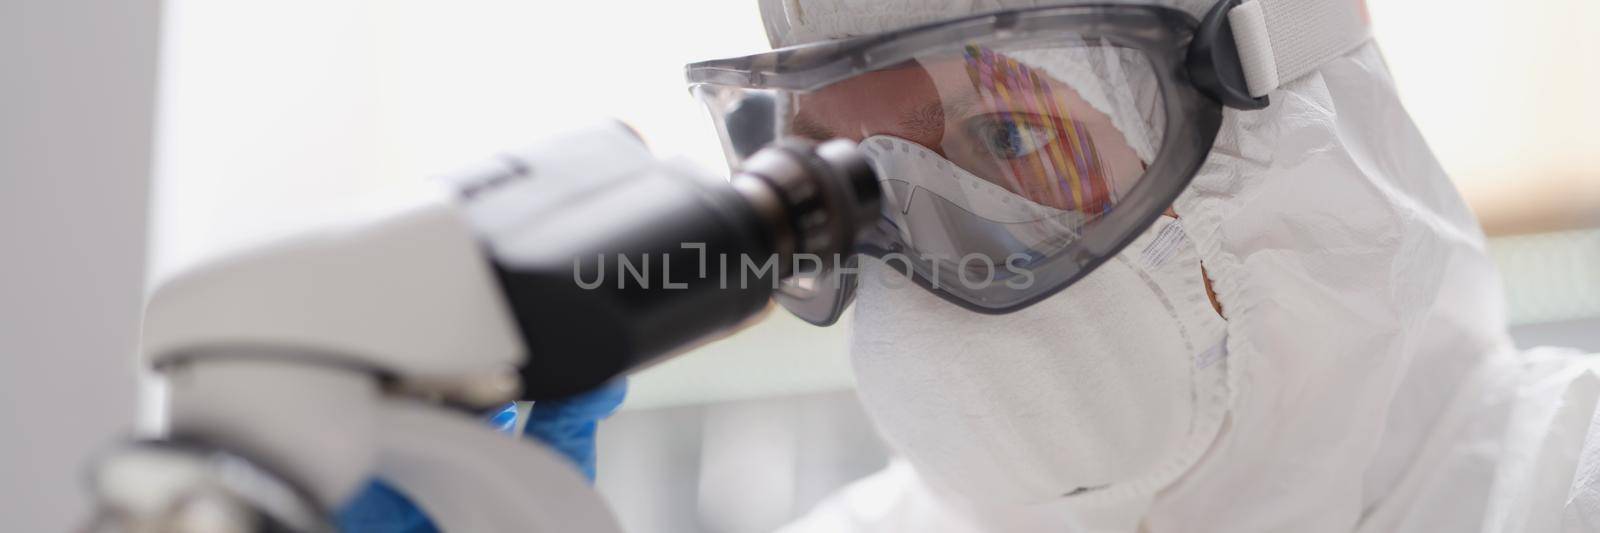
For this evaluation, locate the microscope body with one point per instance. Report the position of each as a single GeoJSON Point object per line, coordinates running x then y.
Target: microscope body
{"type": "Point", "coordinates": [369, 347]}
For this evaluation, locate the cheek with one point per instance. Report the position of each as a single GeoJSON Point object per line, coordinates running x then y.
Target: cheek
{"type": "Point", "coordinates": [1120, 162]}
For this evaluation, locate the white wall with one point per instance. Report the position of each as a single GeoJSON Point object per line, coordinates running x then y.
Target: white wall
{"type": "Point", "coordinates": [259, 133]}
{"type": "Point", "coordinates": [77, 83]}
{"type": "Point", "coordinates": [1503, 92]}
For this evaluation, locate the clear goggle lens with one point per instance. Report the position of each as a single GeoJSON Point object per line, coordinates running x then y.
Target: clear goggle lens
{"type": "Point", "coordinates": [1006, 158]}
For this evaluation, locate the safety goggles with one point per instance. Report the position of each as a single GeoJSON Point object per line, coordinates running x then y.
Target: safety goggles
{"type": "Point", "coordinates": [1016, 150]}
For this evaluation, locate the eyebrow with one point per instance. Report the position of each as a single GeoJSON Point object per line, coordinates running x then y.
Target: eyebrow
{"type": "Point", "coordinates": [804, 126]}
{"type": "Point", "coordinates": [926, 120]}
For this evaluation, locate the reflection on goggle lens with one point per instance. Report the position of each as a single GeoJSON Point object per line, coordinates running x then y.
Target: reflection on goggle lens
{"type": "Point", "coordinates": [1047, 156]}
{"type": "Point", "coordinates": [987, 152]}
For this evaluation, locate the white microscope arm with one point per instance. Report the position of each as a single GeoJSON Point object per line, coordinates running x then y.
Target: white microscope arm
{"type": "Point", "coordinates": [309, 356]}
{"type": "Point", "coordinates": [284, 352]}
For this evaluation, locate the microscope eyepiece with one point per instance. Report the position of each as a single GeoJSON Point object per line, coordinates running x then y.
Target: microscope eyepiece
{"type": "Point", "coordinates": [825, 194]}
{"type": "Point", "coordinates": [609, 267]}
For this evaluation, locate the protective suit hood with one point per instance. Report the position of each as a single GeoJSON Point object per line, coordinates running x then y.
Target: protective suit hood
{"type": "Point", "coordinates": [1373, 384]}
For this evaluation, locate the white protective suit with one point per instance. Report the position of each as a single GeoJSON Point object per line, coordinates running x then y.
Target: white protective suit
{"type": "Point", "coordinates": [1371, 382]}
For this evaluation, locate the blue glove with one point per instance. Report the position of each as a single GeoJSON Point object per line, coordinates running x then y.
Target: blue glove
{"type": "Point", "coordinates": [381, 509]}
{"type": "Point", "coordinates": [567, 424]}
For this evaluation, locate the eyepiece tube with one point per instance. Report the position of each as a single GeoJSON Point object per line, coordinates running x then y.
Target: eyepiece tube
{"type": "Point", "coordinates": [824, 195]}
{"type": "Point", "coordinates": [611, 260]}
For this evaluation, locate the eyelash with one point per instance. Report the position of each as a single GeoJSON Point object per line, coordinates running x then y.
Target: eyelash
{"type": "Point", "coordinates": [1036, 131]}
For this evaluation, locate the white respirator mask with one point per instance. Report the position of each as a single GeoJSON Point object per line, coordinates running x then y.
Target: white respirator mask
{"type": "Point", "coordinates": [1105, 392]}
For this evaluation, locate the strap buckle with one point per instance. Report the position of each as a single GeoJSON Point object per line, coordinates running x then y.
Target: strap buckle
{"type": "Point", "coordinates": [1214, 63]}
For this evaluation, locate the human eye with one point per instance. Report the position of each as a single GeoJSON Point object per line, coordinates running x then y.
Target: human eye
{"type": "Point", "coordinates": [1008, 136]}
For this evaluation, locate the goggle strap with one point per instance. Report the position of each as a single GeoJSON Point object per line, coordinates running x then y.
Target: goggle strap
{"type": "Point", "coordinates": [1282, 40]}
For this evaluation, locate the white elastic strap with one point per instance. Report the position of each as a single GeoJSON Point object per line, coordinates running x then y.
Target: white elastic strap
{"type": "Point", "coordinates": [1280, 40]}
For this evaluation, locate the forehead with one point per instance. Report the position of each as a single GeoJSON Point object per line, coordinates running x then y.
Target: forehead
{"type": "Point", "coordinates": [917, 96]}
{"type": "Point", "coordinates": [910, 99]}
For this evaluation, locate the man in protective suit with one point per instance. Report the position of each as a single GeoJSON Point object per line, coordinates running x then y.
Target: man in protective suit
{"type": "Point", "coordinates": [1319, 342]}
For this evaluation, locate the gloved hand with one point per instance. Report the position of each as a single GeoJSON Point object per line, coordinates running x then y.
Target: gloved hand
{"type": "Point", "coordinates": [567, 425]}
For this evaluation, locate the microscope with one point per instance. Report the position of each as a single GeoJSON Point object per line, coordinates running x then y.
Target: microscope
{"type": "Point", "coordinates": [300, 368]}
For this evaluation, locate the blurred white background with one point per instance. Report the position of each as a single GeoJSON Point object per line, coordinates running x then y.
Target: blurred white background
{"type": "Point", "coordinates": [270, 112]}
